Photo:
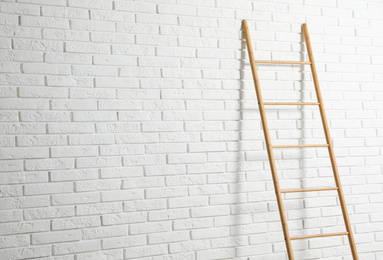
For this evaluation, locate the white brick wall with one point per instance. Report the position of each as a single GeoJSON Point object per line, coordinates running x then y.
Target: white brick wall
{"type": "Point", "coordinates": [130, 130]}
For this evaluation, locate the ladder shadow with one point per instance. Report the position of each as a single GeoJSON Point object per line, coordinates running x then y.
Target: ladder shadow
{"type": "Point", "coordinates": [245, 213]}
{"type": "Point", "coordinates": [301, 172]}
{"type": "Point", "coordinates": [257, 206]}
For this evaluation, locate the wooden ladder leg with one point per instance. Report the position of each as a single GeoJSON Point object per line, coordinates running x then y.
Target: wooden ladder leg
{"type": "Point", "coordinates": [330, 147]}
{"type": "Point", "coordinates": [268, 143]}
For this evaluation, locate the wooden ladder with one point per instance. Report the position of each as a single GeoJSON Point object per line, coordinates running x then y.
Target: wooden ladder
{"type": "Point", "coordinates": [270, 147]}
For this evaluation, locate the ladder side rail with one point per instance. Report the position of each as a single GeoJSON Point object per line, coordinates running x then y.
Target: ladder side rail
{"type": "Point", "coordinates": [330, 146]}
{"type": "Point", "coordinates": [268, 143]}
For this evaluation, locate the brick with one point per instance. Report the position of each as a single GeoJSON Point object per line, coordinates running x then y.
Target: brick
{"type": "Point", "coordinates": [37, 45]}
{"type": "Point", "coordinates": [55, 237]}
{"type": "Point", "coordinates": [162, 126]}
{"type": "Point", "coordinates": [76, 151]}
{"type": "Point", "coordinates": [20, 9]}
{"type": "Point", "coordinates": [170, 214]}
{"type": "Point", "coordinates": [100, 208]}
{"type": "Point", "coordinates": [92, 93]}
{"type": "Point", "coordinates": [149, 227]}
{"type": "Point", "coordinates": [123, 242]}
{"type": "Point", "coordinates": [92, 162]}
{"type": "Point", "coordinates": [132, 116]}
{"type": "Point", "coordinates": [82, 70]}
{"type": "Point", "coordinates": [66, 35]}
{"type": "Point", "coordinates": [69, 81]}
{"type": "Point", "coordinates": [81, 47]}
{"type": "Point", "coordinates": [41, 140]}
{"type": "Point", "coordinates": [49, 164]}
{"type": "Point", "coordinates": [27, 252]}
{"type": "Point", "coordinates": [94, 233]}
{"type": "Point", "coordinates": [193, 223]}
{"type": "Point", "coordinates": [46, 22]}
{"type": "Point", "coordinates": [51, 188]}
{"type": "Point", "coordinates": [24, 153]}
{"type": "Point", "coordinates": [143, 183]}
{"type": "Point", "coordinates": [91, 25]}
{"type": "Point", "coordinates": [77, 247]}
{"type": "Point", "coordinates": [22, 177]}
{"type": "Point", "coordinates": [139, 7]}
{"type": "Point", "coordinates": [210, 233]}
{"type": "Point", "coordinates": [24, 202]}
{"type": "Point", "coordinates": [164, 148]}
{"type": "Point", "coordinates": [133, 50]}
{"type": "Point", "coordinates": [123, 218]}
{"type": "Point", "coordinates": [139, 94]}
{"type": "Point", "coordinates": [71, 128]}
{"type": "Point", "coordinates": [9, 116]}
{"type": "Point", "coordinates": [32, 92]}
{"type": "Point", "coordinates": [68, 58]}
{"type": "Point", "coordinates": [177, 10]}
{"type": "Point", "coordinates": [49, 213]}
{"type": "Point", "coordinates": [10, 216]}
{"type": "Point", "coordinates": [111, 16]}
{"type": "Point", "coordinates": [136, 252]}
{"type": "Point", "coordinates": [144, 205]}
{"type": "Point", "coordinates": [122, 195]}
{"type": "Point", "coordinates": [156, 19]}
{"type": "Point", "coordinates": [166, 192]}
{"type": "Point", "coordinates": [138, 28]}
{"type": "Point", "coordinates": [254, 250]}
{"type": "Point", "coordinates": [44, 116]}
{"type": "Point", "coordinates": [75, 198]}
{"type": "Point", "coordinates": [117, 127]}
{"type": "Point", "coordinates": [190, 246]}
{"type": "Point", "coordinates": [50, 69]}
{"type": "Point", "coordinates": [106, 37]}
{"type": "Point", "coordinates": [121, 149]}
{"type": "Point", "coordinates": [187, 158]}
{"type": "Point", "coordinates": [114, 60]}
{"type": "Point", "coordinates": [98, 4]}
{"type": "Point", "coordinates": [187, 202]}
{"type": "Point", "coordinates": [64, 12]}
{"type": "Point", "coordinates": [78, 222]}
{"type": "Point", "coordinates": [136, 138]}
{"type": "Point", "coordinates": [14, 241]}
{"type": "Point", "coordinates": [133, 72]}
{"type": "Point", "coordinates": [165, 170]}
{"type": "Point", "coordinates": [24, 104]}
{"type": "Point", "coordinates": [110, 254]}
{"type": "Point", "coordinates": [121, 172]}
{"type": "Point", "coordinates": [168, 237]}
{"type": "Point", "coordinates": [24, 227]}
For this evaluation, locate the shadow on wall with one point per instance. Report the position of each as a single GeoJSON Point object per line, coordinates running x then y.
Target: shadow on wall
{"type": "Point", "coordinates": [246, 228]}
{"type": "Point", "coordinates": [250, 209]}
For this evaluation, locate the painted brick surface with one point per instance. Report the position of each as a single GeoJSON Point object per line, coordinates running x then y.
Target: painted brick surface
{"type": "Point", "coordinates": [130, 129]}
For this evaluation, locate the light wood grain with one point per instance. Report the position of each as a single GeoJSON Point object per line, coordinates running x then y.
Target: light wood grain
{"type": "Point", "coordinates": [306, 190]}
{"type": "Point", "coordinates": [300, 146]}
{"type": "Point", "coordinates": [320, 235]}
{"type": "Point", "coordinates": [291, 103]}
{"type": "Point", "coordinates": [283, 62]}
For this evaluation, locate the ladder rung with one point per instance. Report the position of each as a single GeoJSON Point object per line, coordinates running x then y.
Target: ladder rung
{"type": "Point", "coordinates": [299, 146]}
{"type": "Point", "coordinates": [320, 235]}
{"type": "Point", "coordinates": [283, 62]}
{"type": "Point", "coordinates": [291, 103]}
{"type": "Point", "coordinates": [313, 189]}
